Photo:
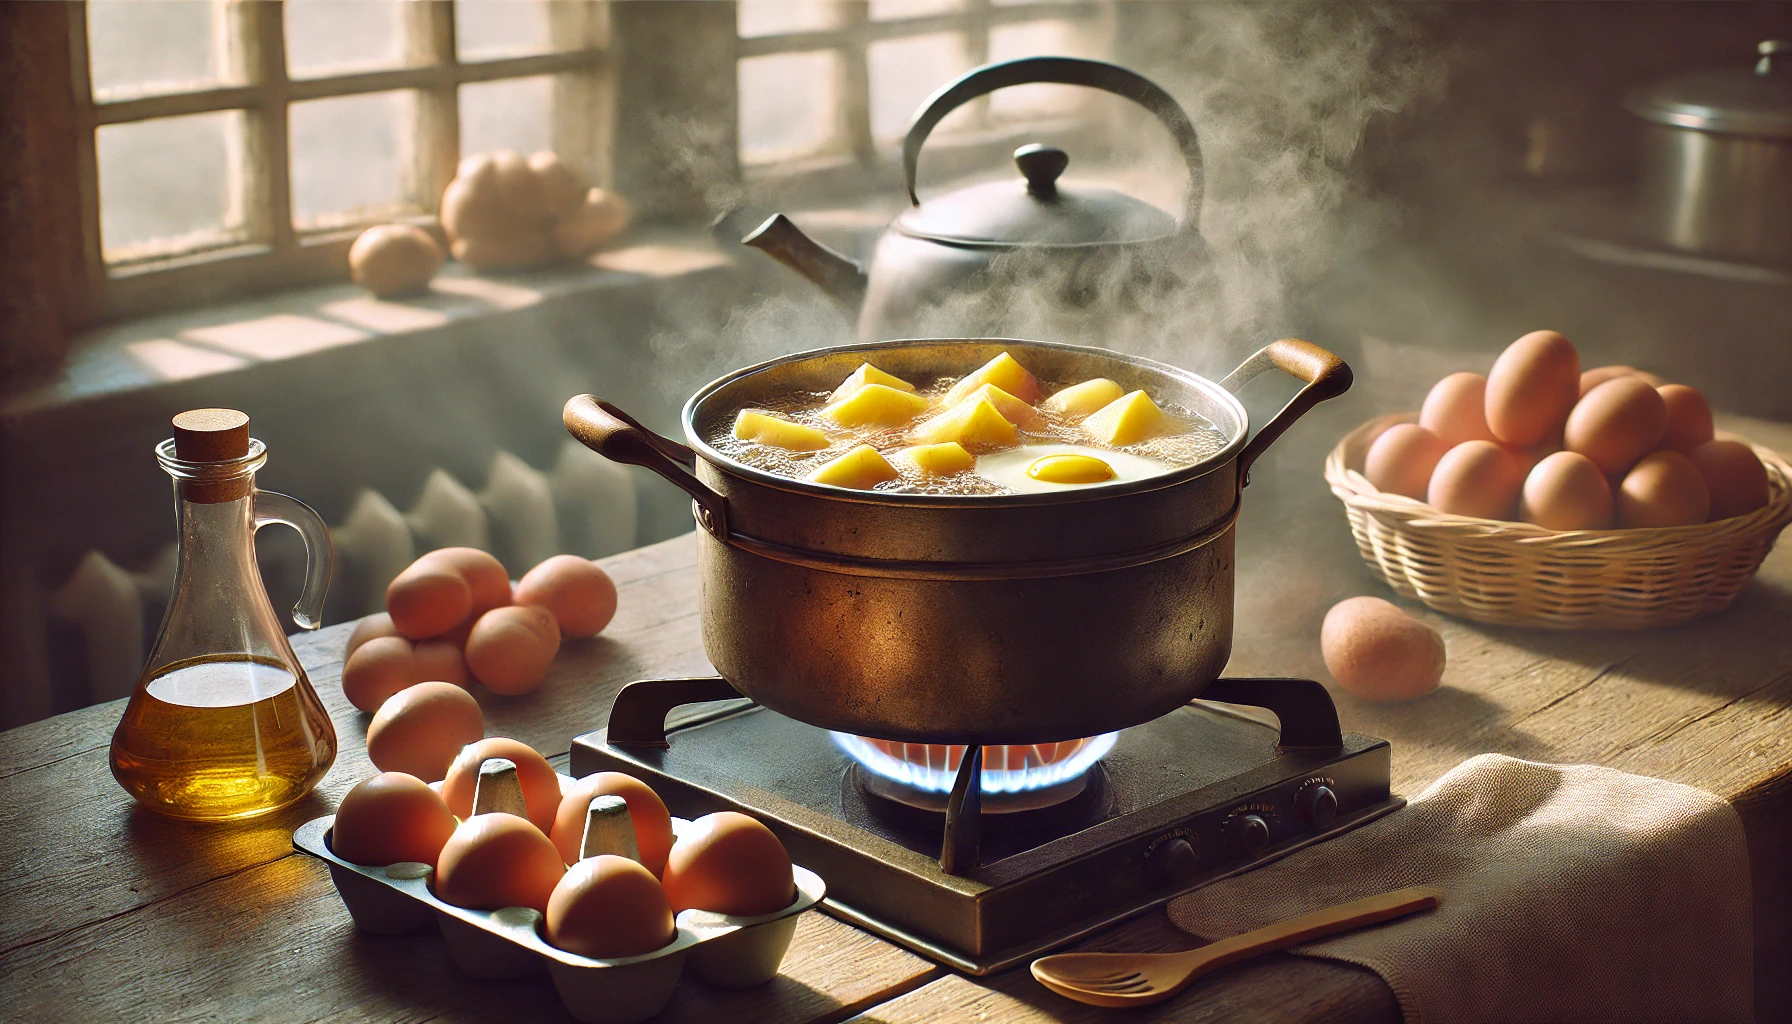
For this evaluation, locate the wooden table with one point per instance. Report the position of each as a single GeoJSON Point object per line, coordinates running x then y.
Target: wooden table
{"type": "Point", "coordinates": [108, 912]}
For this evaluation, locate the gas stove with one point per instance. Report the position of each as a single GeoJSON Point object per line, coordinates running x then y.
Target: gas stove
{"type": "Point", "coordinates": [983, 877]}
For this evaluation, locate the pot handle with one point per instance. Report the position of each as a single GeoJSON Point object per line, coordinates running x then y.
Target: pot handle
{"type": "Point", "coordinates": [1325, 374]}
{"type": "Point", "coordinates": [1094, 74]}
{"type": "Point", "coordinates": [617, 436]}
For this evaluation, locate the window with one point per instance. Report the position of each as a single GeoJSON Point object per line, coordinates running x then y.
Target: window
{"type": "Point", "coordinates": [834, 80]}
{"type": "Point", "coordinates": [234, 144]}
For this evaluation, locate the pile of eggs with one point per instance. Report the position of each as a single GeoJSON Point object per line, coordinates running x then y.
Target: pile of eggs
{"type": "Point", "coordinates": [452, 616]}
{"type": "Point", "coordinates": [1539, 441]}
{"type": "Point", "coordinates": [607, 895]}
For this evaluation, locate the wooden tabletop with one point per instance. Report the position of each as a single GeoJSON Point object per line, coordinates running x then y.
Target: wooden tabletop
{"type": "Point", "coordinates": [112, 913]}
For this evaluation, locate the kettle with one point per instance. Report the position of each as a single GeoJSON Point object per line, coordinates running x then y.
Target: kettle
{"type": "Point", "coordinates": [1034, 257]}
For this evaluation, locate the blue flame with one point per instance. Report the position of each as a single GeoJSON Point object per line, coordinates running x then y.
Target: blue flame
{"type": "Point", "coordinates": [997, 779]}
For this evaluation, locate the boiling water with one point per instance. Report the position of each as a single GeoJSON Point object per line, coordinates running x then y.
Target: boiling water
{"type": "Point", "coordinates": [218, 739]}
{"type": "Point", "coordinates": [1201, 441]}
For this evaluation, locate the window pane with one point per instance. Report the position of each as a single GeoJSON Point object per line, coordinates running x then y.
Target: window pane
{"type": "Point", "coordinates": [903, 72]}
{"type": "Point", "coordinates": [789, 105]}
{"type": "Point", "coordinates": [777, 17]}
{"type": "Point", "coordinates": [165, 184]}
{"type": "Point", "coordinates": [151, 46]}
{"type": "Point", "coordinates": [512, 114]}
{"type": "Point", "coordinates": [1033, 39]}
{"type": "Point", "coordinates": [890, 10]}
{"type": "Point", "coordinates": [350, 158]}
{"type": "Point", "coordinates": [327, 36]}
{"type": "Point", "coordinates": [484, 29]}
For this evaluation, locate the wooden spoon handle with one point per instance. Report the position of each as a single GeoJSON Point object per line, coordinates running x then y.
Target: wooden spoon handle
{"type": "Point", "coordinates": [1296, 930]}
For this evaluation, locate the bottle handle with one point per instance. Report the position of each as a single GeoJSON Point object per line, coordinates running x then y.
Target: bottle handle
{"type": "Point", "coordinates": [320, 556]}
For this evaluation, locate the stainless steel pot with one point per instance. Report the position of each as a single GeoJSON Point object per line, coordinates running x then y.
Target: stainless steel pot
{"type": "Point", "coordinates": [982, 258]}
{"type": "Point", "coordinates": [1717, 159]}
{"type": "Point", "coordinates": [996, 619]}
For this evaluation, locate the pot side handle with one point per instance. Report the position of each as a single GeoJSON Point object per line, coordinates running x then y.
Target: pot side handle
{"type": "Point", "coordinates": [1094, 74]}
{"type": "Point", "coordinates": [617, 436]}
{"type": "Point", "coordinates": [1326, 376]}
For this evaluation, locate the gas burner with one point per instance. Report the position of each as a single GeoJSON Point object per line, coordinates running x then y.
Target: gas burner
{"type": "Point", "coordinates": [1015, 778]}
{"type": "Point", "coordinates": [1195, 796]}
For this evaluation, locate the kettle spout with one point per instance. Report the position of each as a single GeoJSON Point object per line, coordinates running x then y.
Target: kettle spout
{"type": "Point", "coordinates": [840, 277]}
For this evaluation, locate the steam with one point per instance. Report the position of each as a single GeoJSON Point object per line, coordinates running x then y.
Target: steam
{"type": "Point", "coordinates": [1282, 97]}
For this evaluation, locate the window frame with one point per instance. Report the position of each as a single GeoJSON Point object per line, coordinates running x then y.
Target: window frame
{"type": "Point", "coordinates": [857, 161]}
{"type": "Point", "coordinates": [275, 253]}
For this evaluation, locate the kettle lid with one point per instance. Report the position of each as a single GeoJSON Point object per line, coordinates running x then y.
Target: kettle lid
{"type": "Point", "coordinates": [1040, 210]}
{"type": "Point", "coordinates": [1733, 101]}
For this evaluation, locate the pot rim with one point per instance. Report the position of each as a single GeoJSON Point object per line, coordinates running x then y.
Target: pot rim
{"type": "Point", "coordinates": [1224, 457]}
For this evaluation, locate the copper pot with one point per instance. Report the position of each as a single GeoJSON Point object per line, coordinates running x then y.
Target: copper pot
{"type": "Point", "coordinates": [1021, 618]}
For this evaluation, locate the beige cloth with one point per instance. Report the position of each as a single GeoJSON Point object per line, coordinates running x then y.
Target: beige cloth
{"type": "Point", "coordinates": [1569, 893]}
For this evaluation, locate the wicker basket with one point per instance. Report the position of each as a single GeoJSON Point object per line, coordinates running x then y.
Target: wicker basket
{"type": "Point", "coordinates": [1524, 575]}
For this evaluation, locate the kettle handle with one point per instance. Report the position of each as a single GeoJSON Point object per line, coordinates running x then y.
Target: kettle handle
{"type": "Point", "coordinates": [1094, 74]}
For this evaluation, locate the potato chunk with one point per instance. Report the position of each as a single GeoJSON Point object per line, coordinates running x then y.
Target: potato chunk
{"type": "Point", "coordinates": [876, 405]}
{"type": "Point", "coordinates": [1130, 419]}
{"type": "Point", "coordinates": [1004, 373]}
{"type": "Point", "coordinates": [767, 429]}
{"type": "Point", "coordinates": [936, 459]}
{"type": "Point", "coordinates": [975, 422]}
{"type": "Point", "coordinates": [868, 374]}
{"type": "Point", "coordinates": [1012, 409]}
{"type": "Point", "coordinates": [1080, 400]}
{"type": "Point", "coordinates": [862, 468]}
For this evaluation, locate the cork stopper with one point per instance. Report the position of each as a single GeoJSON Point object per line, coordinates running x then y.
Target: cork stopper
{"type": "Point", "coordinates": [211, 435]}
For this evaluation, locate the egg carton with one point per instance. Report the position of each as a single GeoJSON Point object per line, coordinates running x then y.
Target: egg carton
{"type": "Point", "coordinates": [724, 950]}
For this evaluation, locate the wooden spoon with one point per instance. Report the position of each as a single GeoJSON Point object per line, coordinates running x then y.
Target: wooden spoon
{"type": "Point", "coordinates": [1134, 979]}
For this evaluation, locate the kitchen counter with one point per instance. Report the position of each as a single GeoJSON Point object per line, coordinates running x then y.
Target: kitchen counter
{"type": "Point", "coordinates": [111, 912]}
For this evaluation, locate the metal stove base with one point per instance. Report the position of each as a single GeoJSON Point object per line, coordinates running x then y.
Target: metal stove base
{"type": "Point", "coordinates": [1196, 796]}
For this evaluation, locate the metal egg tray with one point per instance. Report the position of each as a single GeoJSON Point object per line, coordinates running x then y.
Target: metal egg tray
{"type": "Point", "coordinates": [724, 950]}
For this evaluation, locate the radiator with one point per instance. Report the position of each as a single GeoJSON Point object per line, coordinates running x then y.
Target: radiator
{"type": "Point", "coordinates": [583, 504]}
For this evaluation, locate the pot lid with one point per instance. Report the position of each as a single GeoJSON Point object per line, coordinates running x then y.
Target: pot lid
{"type": "Point", "coordinates": [1735, 100]}
{"type": "Point", "coordinates": [1036, 211]}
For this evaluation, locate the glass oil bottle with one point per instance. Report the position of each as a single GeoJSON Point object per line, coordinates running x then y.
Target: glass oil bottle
{"type": "Point", "coordinates": [223, 723]}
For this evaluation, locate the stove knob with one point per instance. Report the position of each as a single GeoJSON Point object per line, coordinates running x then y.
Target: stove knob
{"type": "Point", "coordinates": [1316, 805]}
{"type": "Point", "coordinates": [1175, 860]}
{"type": "Point", "coordinates": [1249, 834]}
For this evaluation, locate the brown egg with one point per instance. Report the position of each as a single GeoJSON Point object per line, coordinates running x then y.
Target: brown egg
{"type": "Point", "coordinates": [421, 729]}
{"type": "Point", "coordinates": [1618, 423]}
{"type": "Point", "coordinates": [1689, 417]}
{"type": "Point", "coordinates": [471, 207]}
{"type": "Point", "coordinates": [602, 216]}
{"type": "Point", "coordinates": [483, 572]}
{"type": "Point", "coordinates": [389, 818]}
{"type": "Point", "coordinates": [1566, 491]}
{"type": "Point", "coordinates": [578, 593]}
{"type": "Point", "coordinates": [1531, 387]}
{"type": "Point", "coordinates": [652, 822]}
{"type": "Point", "coordinates": [394, 259]}
{"type": "Point", "coordinates": [560, 187]}
{"type": "Point", "coordinates": [427, 599]}
{"type": "Point", "coordinates": [377, 624]}
{"type": "Point", "coordinates": [1600, 374]}
{"type": "Point", "coordinates": [1734, 476]}
{"type": "Point", "coordinates": [511, 649]}
{"type": "Point", "coordinates": [519, 188]}
{"type": "Point", "coordinates": [1402, 458]}
{"type": "Point", "coordinates": [1664, 489]}
{"type": "Point", "coordinates": [729, 863]}
{"type": "Point", "coordinates": [608, 907]}
{"type": "Point", "coordinates": [1479, 479]}
{"type": "Point", "coordinates": [440, 660]}
{"type": "Point", "coordinates": [541, 786]}
{"type": "Point", "coordinates": [1378, 652]}
{"type": "Point", "coordinates": [378, 669]}
{"type": "Point", "coordinates": [1455, 409]}
{"type": "Point", "coordinates": [498, 860]}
